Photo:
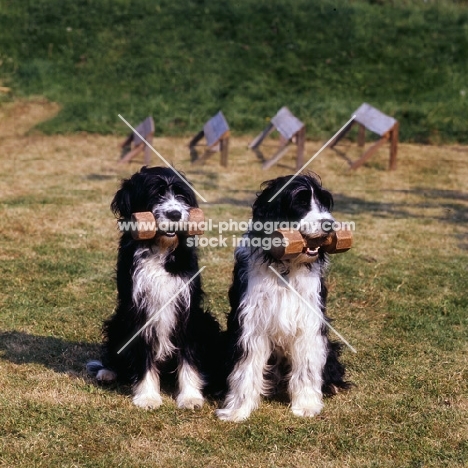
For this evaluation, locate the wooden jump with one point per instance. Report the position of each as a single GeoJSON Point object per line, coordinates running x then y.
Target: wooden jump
{"type": "Point", "coordinates": [370, 118]}
{"type": "Point", "coordinates": [136, 144]}
{"type": "Point", "coordinates": [291, 130]}
{"type": "Point", "coordinates": [216, 132]}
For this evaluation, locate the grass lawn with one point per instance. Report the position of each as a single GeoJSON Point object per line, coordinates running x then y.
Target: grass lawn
{"type": "Point", "coordinates": [399, 297]}
{"type": "Point", "coordinates": [183, 60]}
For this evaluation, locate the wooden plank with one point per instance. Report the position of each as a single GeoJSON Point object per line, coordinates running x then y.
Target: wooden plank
{"type": "Point", "coordinates": [257, 141]}
{"type": "Point", "coordinates": [196, 138]}
{"type": "Point", "coordinates": [286, 123]}
{"type": "Point", "coordinates": [277, 156]}
{"type": "Point", "coordinates": [373, 119]}
{"type": "Point", "coordinates": [369, 153]}
{"type": "Point", "coordinates": [133, 153]}
{"type": "Point", "coordinates": [342, 134]}
{"type": "Point", "coordinates": [215, 129]}
{"type": "Point", "coordinates": [394, 147]}
{"type": "Point", "coordinates": [361, 137]}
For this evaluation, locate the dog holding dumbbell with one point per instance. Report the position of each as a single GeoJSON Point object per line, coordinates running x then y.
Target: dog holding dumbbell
{"type": "Point", "coordinates": [159, 323]}
{"type": "Point", "coordinates": [277, 324]}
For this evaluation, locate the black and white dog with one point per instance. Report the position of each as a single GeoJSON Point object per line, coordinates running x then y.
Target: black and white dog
{"type": "Point", "coordinates": [271, 331]}
{"type": "Point", "coordinates": [153, 292]}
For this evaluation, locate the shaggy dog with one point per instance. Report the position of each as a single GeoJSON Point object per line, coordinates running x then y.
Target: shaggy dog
{"type": "Point", "coordinates": [156, 301]}
{"type": "Point", "coordinates": [272, 333]}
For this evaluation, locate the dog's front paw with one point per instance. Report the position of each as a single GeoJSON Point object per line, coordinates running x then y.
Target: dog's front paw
{"type": "Point", "coordinates": [233, 415]}
{"type": "Point", "coordinates": [307, 411]}
{"type": "Point", "coordinates": [147, 401]}
{"type": "Point", "coordinates": [190, 402]}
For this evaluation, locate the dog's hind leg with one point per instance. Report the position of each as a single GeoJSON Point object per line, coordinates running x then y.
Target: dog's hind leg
{"type": "Point", "coordinates": [190, 387]}
{"type": "Point", "coordinates": [246, 382]}
{"type": "Point", "coordinates": [305, 384]}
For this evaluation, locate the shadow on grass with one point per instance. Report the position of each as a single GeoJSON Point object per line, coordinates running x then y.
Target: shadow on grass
{"type": "Point", "coordinates": [70, 358]}
{"type": "Point", "coordinates": [62, 356]}
{"type": "Point", "coordinates": [100, 177]}
{"type": "Point", "coordinates": [451, 202]}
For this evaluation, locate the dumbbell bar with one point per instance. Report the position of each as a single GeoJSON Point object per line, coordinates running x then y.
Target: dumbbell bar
{"type": "Point", "coordinates": [289, 244]}
{"type": "Point", "coordinates": [144, 225]}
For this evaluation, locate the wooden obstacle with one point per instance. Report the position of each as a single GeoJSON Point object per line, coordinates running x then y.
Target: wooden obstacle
{"type": "Point", "coordinates": [377, 122]}
{"type": "Point", "coordinates": [133, 144]}
{"type": "Point", "coordinates": [291, 130]}
{"type": "Point", "coordinates": [216, 132]}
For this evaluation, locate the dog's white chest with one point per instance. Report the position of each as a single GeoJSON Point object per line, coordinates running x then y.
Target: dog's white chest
{"type": "Point", "coordinates": [160, 294]}
{"type": "Point", "coordinates": [282, 311]}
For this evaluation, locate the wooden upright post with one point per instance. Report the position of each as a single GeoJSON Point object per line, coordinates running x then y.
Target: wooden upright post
{"type": "Point", "coordinates": [300, 142]}
{"type": "Point", "coordinates": [361, 139]}
{"type": "Point", "coordinates": [394, 146]}
{"type": "Point", "coordinates": [224, 148]}
{"type": "Point", "coordinates": [149, 139]}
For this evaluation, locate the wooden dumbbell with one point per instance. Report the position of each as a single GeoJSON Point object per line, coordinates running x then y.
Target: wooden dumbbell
{"type": "Point", "coordinates": [144, 225]}
{"type": "Point", "coordinates": [289, 244]}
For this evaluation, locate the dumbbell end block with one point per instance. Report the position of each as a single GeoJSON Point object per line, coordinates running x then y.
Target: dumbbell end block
{"type": "Point", "coordinates": [143, 225]}
{"type": "Point", "coordinates": [195, 221]}
{"type": "Point", "coordinates": [286, 244]}
{"type": "Point", "coordinates": [338, 241]}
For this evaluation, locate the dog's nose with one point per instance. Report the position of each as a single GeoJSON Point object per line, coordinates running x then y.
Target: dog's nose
{"type": "Point", "coordinates": [174, 215]}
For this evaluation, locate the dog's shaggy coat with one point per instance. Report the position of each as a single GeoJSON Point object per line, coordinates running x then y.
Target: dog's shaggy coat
{"type": "Point", "coordinates": [153, 290]}
{"type": "Point", "coordinates": [272, 333]}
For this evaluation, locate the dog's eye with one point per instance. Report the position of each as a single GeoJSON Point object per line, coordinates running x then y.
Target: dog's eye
{"type": "Point", "coordinates": [181, 198]}
{"type": "Point", "coordinates": [302, 198]}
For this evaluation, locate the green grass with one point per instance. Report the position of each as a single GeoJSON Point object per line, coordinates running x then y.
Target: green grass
{"type": "Point", "coordinates": [398, 297]}
{"type": "Point", "coordinates": [182, 61]}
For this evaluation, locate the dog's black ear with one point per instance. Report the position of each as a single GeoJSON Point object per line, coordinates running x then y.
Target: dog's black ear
{"type": "Point", "coordinates": [121, 205]}
{"type": "Point", "coordinates": [262, 208]}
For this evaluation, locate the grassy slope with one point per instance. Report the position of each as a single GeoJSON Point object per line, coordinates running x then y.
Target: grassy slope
{"type": "Point", "coordinates": [399, 296]}
{"type": "Point", "coordinates": [181, 61]}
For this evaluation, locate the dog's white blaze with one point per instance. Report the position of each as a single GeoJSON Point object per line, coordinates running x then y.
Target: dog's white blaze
{"type": "Point", "coordinates": [153, 289]}
{"type": "Point", "coordinates": [311, 222]}
{"type": "Point", "coordinates": [171, 203]}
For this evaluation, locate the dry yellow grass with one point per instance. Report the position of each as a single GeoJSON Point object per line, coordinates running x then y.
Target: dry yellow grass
{"type": "Point", "coordinates": [54, 201]}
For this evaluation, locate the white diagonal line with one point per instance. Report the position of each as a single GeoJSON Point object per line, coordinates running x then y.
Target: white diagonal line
{"type": "Point", "coordinates": [162, 308]}
{"type": "Point", "coordinates": [312, 309]}
{"type": "Point", "coordinates": [311, 159]}
{"type": "Point", "coordinates": [161, 157]}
